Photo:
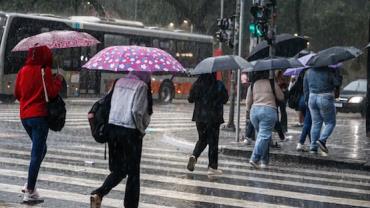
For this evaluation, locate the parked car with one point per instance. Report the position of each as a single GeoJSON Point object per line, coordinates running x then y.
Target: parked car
{"type": "Point", "coordinates": [352, 98]}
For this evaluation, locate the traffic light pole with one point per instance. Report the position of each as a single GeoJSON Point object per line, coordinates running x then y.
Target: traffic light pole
{"type": "Point", "coordinates": [242, 53]}
{"type": "Point", "coordinates": [368, 89]}
{"type": "Point", "coordinates": [230, 126]}
{"type": "Point", "coordinates": [272, 32]}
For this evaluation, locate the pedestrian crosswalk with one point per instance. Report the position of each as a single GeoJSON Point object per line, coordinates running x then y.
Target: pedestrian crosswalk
{"type": "Point", "coordinates": [161, 121]}
{"type": "Point", "coordinates": [69, 173]}
{"type": "Point", "coordinates": [74, 166]}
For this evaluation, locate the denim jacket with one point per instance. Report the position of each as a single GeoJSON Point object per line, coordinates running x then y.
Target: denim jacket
{"type": "Point", "coordinates": [321, 80]}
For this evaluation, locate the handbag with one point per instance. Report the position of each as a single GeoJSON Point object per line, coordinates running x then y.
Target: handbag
{"type": "Point", "coordinates": [99, 123]}
{"type": "Point", "coordinates": [56, 108]}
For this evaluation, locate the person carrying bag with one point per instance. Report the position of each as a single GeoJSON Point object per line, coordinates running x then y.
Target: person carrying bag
{"type": "Point", "coordinates": [29, 90]}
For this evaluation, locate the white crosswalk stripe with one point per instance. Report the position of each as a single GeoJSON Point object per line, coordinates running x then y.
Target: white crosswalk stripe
{"type": "Point", "coordinates": [79, 168]}
{"type": "Point", "coordinates": [160, 122]}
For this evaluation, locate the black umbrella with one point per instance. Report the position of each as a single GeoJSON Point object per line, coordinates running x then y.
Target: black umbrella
{"type": "Point", "coordinates": [273, 63]}
{"type": "Point", "coordinates": [220, 63]}
{"type": "Point", "coordinates": [287, 45]}
{"type": "Point", "coordinates": [334, 55]}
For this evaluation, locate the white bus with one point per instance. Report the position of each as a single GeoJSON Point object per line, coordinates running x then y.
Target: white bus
{"type": "Point", "coordinates": [188, 48]}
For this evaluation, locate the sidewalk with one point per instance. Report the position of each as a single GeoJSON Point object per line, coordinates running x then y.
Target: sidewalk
{"type": "Point", "coordinates": [348, 146]}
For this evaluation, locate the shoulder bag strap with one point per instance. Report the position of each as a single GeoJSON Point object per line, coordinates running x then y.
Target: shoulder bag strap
{"type": "Point", "coordinates": [43, 84]}
{"type": "Point", "coordinates": [272, 83]}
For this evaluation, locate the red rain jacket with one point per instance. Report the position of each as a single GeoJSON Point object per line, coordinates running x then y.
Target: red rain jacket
{"type": "Point", "coordinates": [29, 88]}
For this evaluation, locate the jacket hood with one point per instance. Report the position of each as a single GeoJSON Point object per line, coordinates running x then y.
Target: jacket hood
{"type": "Point", "coordinates": [41, 55]}
{"type": "Point", "coordinates": [143, 76]}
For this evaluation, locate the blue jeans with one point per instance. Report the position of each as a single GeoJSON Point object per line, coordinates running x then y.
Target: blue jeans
{"type": "Point", "coordinates": [263, 119]}
{"type": "Point", "coordinates": [322, 111]}
{"type": "Point", "coordinates": [37, 129]}
{"type": "Point", "coordinates": [307, 123]}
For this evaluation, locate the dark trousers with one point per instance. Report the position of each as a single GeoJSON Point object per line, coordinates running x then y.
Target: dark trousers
{"type": "Point", "coordinates": [283, 116]}
{"type": "Point", "coordinates": [208, 135]}
{"type": "Point", "coordinates": [306, 130]}
{"type": "Point", "coordinates": [37, 129]}
{"type": "Point", "coordinates": [125, 146]}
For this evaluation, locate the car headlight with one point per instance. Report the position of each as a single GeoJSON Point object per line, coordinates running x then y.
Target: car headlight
{"type": "Point", "coordinates": [356, 100]}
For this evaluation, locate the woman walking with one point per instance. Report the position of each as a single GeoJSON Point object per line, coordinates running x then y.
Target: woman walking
{"type": "Point", "coordinates": [209, 96]}
{"type": "Point", "coordinates": [33, 112]}
{"type": "Point", "coordinates": [262, 107]}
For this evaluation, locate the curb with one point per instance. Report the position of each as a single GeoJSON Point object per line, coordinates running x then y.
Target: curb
{"type": "Point", "coordinates": [302, 159]}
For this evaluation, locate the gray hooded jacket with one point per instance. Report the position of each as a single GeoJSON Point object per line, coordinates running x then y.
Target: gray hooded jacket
{"type": "Point", "coordinates": [129, 104]}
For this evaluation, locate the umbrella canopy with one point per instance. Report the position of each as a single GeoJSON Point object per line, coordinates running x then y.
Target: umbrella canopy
{"type": "Point", "coordinates": [57, 39]}
{"type": "Point", "coordinates": [287, 45]}
{"type": "Point", "coordinates": [273, 63]}
{"type": "Point", "coordinates": [220, 63]}
{"type": "Point", "coordinates": [134, 58]}
{"type": "Point", "coordinates": [333, 55]}
{"type": "Point", "coordinates": [295, 71]}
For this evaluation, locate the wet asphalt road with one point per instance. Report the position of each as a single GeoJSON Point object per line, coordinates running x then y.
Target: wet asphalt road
{"type": "Point", "coordinates": [75, 165]}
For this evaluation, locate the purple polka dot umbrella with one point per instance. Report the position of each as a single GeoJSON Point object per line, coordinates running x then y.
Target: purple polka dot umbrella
{"type": "Point", "coordinates": [134, 58]}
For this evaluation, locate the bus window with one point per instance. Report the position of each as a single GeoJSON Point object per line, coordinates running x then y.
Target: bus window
{"type": "Point", "coordinates": [205, 51]}
{"type": "Point", "coordinates": [187, 53]}
{"type": "Point", "coordinates": [168, 45]}
{"type": "Point", "coordinates": [21, 28]}
{"type": "Point", "coordinates": [140, 41]}
{"type": "Point", "coordinates": [2, 25]}
{"type": "Point", "coordinates": [155, 43]}
{"type": "Point", "coordinates": [113, 40]}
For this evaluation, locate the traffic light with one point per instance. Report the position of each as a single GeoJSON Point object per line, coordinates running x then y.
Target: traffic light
{"type": "Point", "coordinates": [226, 30]}
{"type": "Point", "coordinates": [255, 30]}
{"type": "Point", "coordinates": [259, 25]}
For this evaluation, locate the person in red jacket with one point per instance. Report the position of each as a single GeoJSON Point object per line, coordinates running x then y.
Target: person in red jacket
{"type": "Point", "coordinates": [29, 91]}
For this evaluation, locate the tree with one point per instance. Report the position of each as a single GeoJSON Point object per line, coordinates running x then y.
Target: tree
{"type": "Point", "coordinates": [195, 12]}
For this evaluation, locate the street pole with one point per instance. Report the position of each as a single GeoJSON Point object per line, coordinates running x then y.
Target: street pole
{"type": "Point", "coordinates": [230, 125]}
{"type": "Point", "coordinates": [241, 53]}
{"type": "Point", "coordinates": [135, 17]}
{"type": "Point", "coordinates": [271, 35]}
{"type": "Point", "coordinates": [368, 89]}
{"type": "Point", "coordinates": [221, 16]}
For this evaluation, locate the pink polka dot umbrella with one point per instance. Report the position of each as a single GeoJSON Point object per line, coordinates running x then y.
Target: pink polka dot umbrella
{"type": "Point", "coordinates": [57, 39]}
{"type": "Point", "coordinates": [134, 58]}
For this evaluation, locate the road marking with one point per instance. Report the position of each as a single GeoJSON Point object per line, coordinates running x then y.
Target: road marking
{"type": "Point", "coordinates": [70, 196]}
{"type": "Point", "coordinates": [227, 163]}
{"type": "Point", "coordinates": [200, 197]}
{"type": "Point", "coordinates": [230, 176]}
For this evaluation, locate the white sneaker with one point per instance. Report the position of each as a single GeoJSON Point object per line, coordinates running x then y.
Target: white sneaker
{"type": "Point", "coordinates": [263, 166]}
{"type": "Point", "coordinates": [300, 147]}
{"type": "Point", "coordinates": [31, 196]}
{"type": "Point", "coordinates": [212, 171]}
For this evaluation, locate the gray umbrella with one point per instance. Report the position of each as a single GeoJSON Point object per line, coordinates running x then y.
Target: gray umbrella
{"type": "Point", "coordinates": [368, 46]}
{"type": "Point", "coordinates": [334, 55]}
{"type": "Point", "coordinates": [273, 63]}
{"type": "Point", "coordinates": [220, 63]}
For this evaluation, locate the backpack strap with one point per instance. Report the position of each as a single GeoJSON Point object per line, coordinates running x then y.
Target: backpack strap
{"type": "Point", "coordinates": [43, 84]}
{"type": "Point", "coordinates": [110, 94]}
{"type": "Point", "coordinates": [272, 84]}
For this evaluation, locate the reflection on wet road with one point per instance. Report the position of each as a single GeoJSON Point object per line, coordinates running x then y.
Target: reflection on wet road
{"type": "Point", "coordinates": [75, 165]}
